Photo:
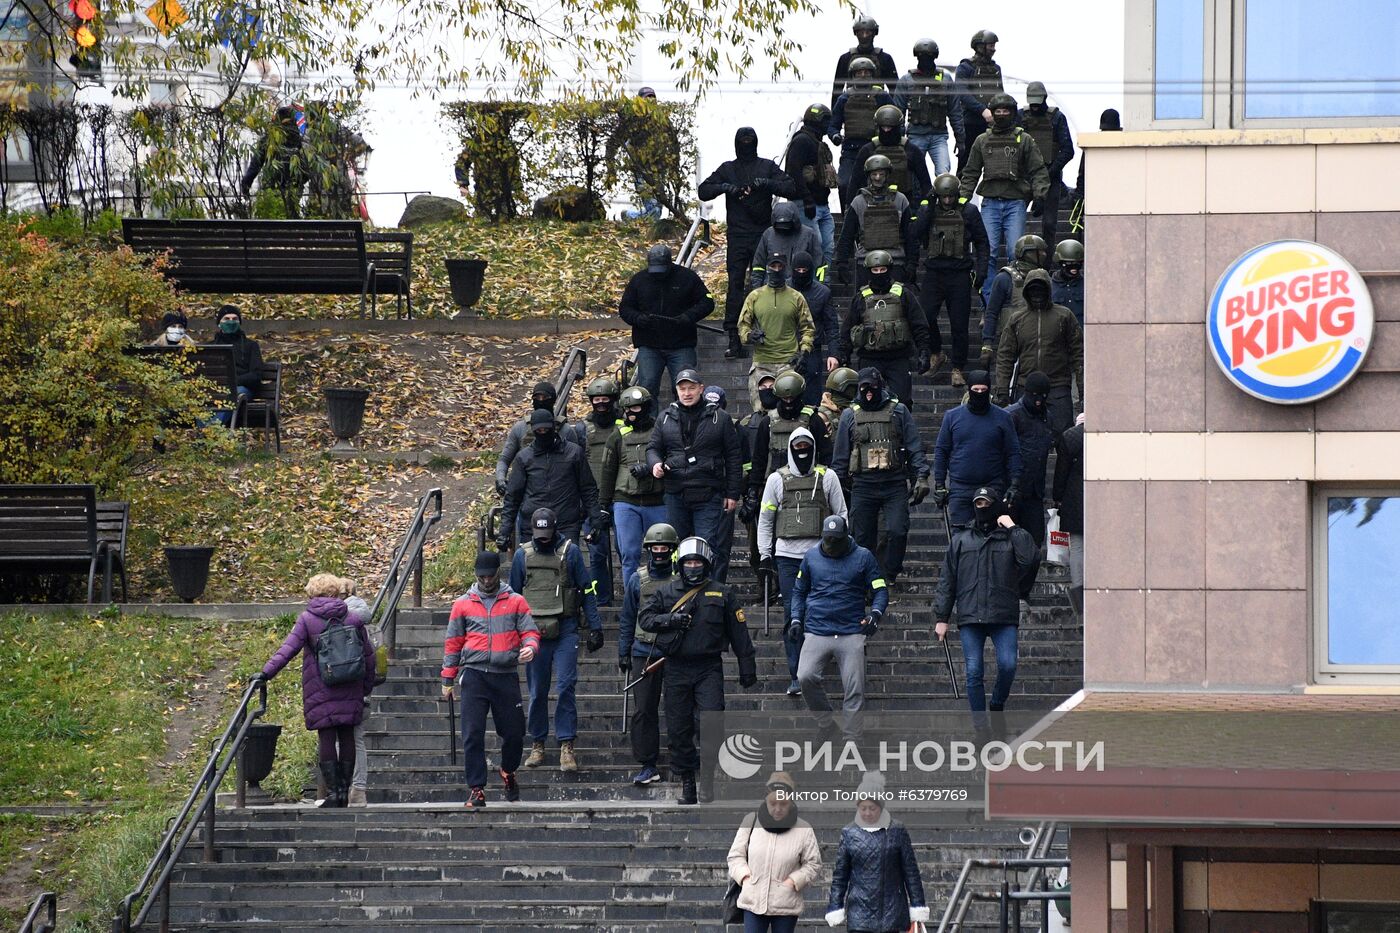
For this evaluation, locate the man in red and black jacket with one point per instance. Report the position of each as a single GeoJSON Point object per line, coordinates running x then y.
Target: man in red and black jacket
{"type": "Point", "coordinates": [489, 634]}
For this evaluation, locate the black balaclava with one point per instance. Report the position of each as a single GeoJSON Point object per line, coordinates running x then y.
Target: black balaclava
{"type": "Point", "coordinates": [984, 515]}
{"type": "Point", "coordinates": [801, 270]}
{"type": "Point", "coordinates": [1037, 292]}
{"type": "Point", "coordinates": [543, 529]}
{"type": "Point", "coordinates": [928, 64]}
{"type": "Point", "coordinates": [880, 282]}
{"type": "Point", "coordinates": [836, 538]}
{"type": "Point", "coordinates": [543, 428]}
{"type": "Point", "coordinates": [870, 391]}
{"type": "Point", "coordinates": [746, 144]}
{"type": "Point", "coordinates": [789, 408]}
{"type": "Point", "coordinates": [606, 414]}
{"type": "Point", "coordinates": [1003, 119]}
{"type": "Point", "coordinates": [891, 135]}
{"type": "Point", "coordinates": [775, 278]}
{"type": "Point", "coordinates": [693, 576]}
{"type": "Point", "coordinates": [767, 397]}
{"type": "Point", "coordinates": [660, 566]}
{"type": "Point", "coordinates": [803, 456]}
{"type": "Point", "coordinates": [979, 403]}
{"type": "Point", "coordinates": [543, 396]}
{"type": "Point", "coordinates": [785, 218]}
{"type": "Point", "coordinates": [1036, 393]}
{"type": "Point", "coordinates": [639, 420]}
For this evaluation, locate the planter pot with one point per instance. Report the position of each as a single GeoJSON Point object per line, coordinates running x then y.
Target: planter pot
{"type": "Point", "coordinates": [189, 570]}
{"type": "Point", "coordinates": [346, 410]}
{"type": "Point", "coordinates": [466, 276]}
{"type": "Point", "coordinates": [259, 751]}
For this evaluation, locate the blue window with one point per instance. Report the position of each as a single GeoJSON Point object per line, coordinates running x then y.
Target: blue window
{"type": "Point", "coordinates": [1302, 60]}
{"type": "Point", "coordinates": [1179, 60]}
{"type": "Point", "coordinates": [1363, 589]}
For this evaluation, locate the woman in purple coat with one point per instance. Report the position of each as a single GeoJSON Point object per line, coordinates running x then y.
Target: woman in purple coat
{"type": "Point", "coordinates": [332, 711]}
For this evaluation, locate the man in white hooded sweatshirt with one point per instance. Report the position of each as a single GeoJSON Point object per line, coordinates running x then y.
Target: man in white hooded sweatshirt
{"type": "Point", "coordinates": [796, 500]}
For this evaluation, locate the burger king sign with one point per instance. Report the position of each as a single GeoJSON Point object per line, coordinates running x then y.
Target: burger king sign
{"type": "Point", "coordinates": [1290, 322]}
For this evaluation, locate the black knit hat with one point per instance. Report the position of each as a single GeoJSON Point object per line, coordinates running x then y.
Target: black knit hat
{"type": "Point", "coordinates": [174, 318]}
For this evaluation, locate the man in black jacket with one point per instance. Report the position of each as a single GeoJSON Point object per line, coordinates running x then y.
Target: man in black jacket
{"type": "Point", "coordinates": [749, 185]}
{"type": "Point", "coordinates": [542, 397]}
{"type": "Point", "coordinates": [247, 356]}
{"type": "Point", "coordinates": [981, 572]}
{"type": "Point", "coordinates": [953, 242]}
{"type": "Point", "coordinates": [812, 169]}
{"type": "Point", "coordinates": [553, 474]}
{"type": "Point", "coordinates": [663, 303]}
{"type": "Point", "coordinates": [695, 619]}
{"type": "Point", "coordinates": [1069, 499]}
{"type": "Point", "coordinates": [695, 450]}
{"type": "Point", "coordinates": [865, 29]}
{"type": "Point", "coordinates": [825, 319]}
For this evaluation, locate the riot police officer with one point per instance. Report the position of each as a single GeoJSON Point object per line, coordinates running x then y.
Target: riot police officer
{"type": "Point", "coordinates": [979, 78]}
{"type": "Point", "coordinates": [1005, 296]}
{"type": "Point", "coordinates": [954, 247]}
{"type": "Point", "coordinates": [1050, 130]}
{"type": "Point", "coordinates": [549, 473]}
{"type": "Point", "coordinates": [886, 327]}
{"type": "Point", "coordinates": [695, 619]}
{"type": "Point", "coordinates": [636, 649]}
{"type": "Point", "coordinates": [1067, 284]}
{"type": "Point", "coordinates": [865, 29]}
{"type": "Point", "coordinates": [929, 98]}
{"type": "Point", "coordinates": [542, 398]}
{"type": "Point", "coordinates": [879, 218]}
{"type": "Point", "coordinates": [908, 168]}
{"type": "Point", "coordinates": [840, 392]}
{"type": "Point", "coordinates": [787, 416]}
{"type": "Point", "coordinates": [853, 118]}
{"type": "Point", "coordinates": [637, 501]}
{"type": "Point", "coordinates": [601, 429]}
{"type": "Point", "coordinates": [878, 452]}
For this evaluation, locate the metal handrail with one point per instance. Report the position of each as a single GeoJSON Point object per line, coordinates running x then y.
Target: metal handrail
{"type": "Point", "coordinates": [574, 368]}
{"type": "Point", "coordinates": [694, 239]}
{"type": "Point", "coordinates": [1035, 859]}
{"type": "Point", "coordinates": [155, 880]}
{"type": "Point", "coordinates": [386, 601]}
{"type": "Point", "coordinates": [48, 903]}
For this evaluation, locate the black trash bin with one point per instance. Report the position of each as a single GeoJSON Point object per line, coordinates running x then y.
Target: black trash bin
{"type": "Point", "coordinates": [189, 570]}
{"type": "Point", "coordinates": [466, 276]}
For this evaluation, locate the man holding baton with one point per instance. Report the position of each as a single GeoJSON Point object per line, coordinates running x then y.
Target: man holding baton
{"type": "Point", "coordinates": [636, 651]}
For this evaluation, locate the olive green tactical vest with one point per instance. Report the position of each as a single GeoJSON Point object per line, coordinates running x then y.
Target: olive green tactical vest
{"type": "Point", "coordinates": [804, 504]}
{"type": "Point", "coordinates": [885, 325]}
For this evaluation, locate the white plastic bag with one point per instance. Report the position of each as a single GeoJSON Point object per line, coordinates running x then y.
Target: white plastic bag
{"type": "Point", "coordinates": [1057, 541]}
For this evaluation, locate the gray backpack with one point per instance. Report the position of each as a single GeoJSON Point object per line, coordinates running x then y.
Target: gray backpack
{"type": "Point", "coordinates": [340, 654]}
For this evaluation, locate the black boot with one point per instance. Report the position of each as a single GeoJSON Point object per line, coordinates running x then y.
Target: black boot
{"type": "Point", "coordinates": [736, 349]}
{"type": "Point", "coordinates": [1076, 600]}
{"type": "Point", "coordinates": [330, 777]}
{"type": "Point", "coordinates": [345, 773]}
{"type": "Point", "coordinates": [689, 795]}
{"type": "Point", "coordinates": [706, 788]}
{"type": "Point", "coordinates": [998, 722]}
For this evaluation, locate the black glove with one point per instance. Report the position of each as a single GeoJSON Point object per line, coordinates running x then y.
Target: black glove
{"type": "Point", "coordinates": [911, 276]}
{"type": "Point", "coordinates": [502, 542]}
{"type": "Point", "coordinates": [871, 623]}
{"type": "Point", "coordinates": [1035, 207]}
{"type": "Point", "coordinates": [748, 509]}
{"type": "Point", "coordinates": [920, 492]}
{"type": "Point", "coordinates": [979, 279]}
{"type": "Point", "coordinates": [760, 184]}
{"type": "Point", "coordinates": [595, 639]}
{"type": "Point", "coordinates": [757, 336]}
{"type": "Point", "coordinates": [940, 497]}
{"type": "Point", "coordinates": [602, 520]}
{"type": "Point", "coordinates": [624, 664]}
{"type": "Point", "coordinates": [500, 487]}
{"type": "Point", "coordinates": [766, 565]}
{"type": "Point", "coordinates": [639, 470]}
{"type": "Point", "coordinates": [837, 139]}
{"type": "Point", "coordinates": [680, 619]}
{"type": "Point", "coordinates": [794, 630]}
{"type": "Point", "coordinates": [799, 362]}
{"type": "Point", "coordinates": [644, 319]}
{"type": "Point", "coordinates": [259, 677]}
{"type": "Point", "coordinates": [809, 211]}
{"type": "Point", "coordinates": [1012, 494]}
{"type": "Point", "coordinates": [843, 274]}
{"type": "Point", "coordinates": [924, 359]}
{"type": "Point", "coordinates": [748, 678]}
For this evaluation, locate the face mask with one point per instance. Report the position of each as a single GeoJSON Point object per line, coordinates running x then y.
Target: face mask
{"type": "Point", "coordinates": [604, 413]}
{"type": "Point", "coordinates": [869, 396]}
{"type": "Point", "coordinates": [768, 398]}
{"type": "Point", "coordinates": [801, 278]}
{"type": "Point", "coordinates": [836, 547]}
{"type": "Point", "coordinates": [545, 439]}
{"type": "Point", "coordinates": [802, 458]}
{"type": "Point", "coordinates": [488, 585]}
{"type": "Point", "coordinates": [545, 544]}
{"type": "Point", "coordinates": [880, 282]}
{"type": "Point", "coordinates": [948, 204]}
{"type": "Point", "coordinates": [986, 515]}
{"type": "Point", "coordinates": [890, 137]}
{"type": "Point", "coordinates": [1036, 402]}
{"type": "Point", "coordinates": [979, 403]}
{"type": "Point", "coordinates": [1038, 299]}
{"type": "Point", "coordinates": [1072, 270]}
{"type": "Point", "coordinates": [927, 65]}
{"type": "Point", "coordinates": [785, 225]}
{"type": "Point", "coordinates": [1002, 120]}
{"type": "Point", "coordinates": [660, 564]}
{"type": "Point", "coordinates": [634, 417]}
{"type": "Point", "coordinates": [174, 334]}
{"type": "Point", "coordinates": [693, 574]}
{"type": "Point", "coordinates": [776, 278]}
{"type": "Point", "coordinates": [229, 327]}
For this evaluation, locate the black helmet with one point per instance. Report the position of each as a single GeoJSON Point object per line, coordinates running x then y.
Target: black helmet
{"type": "Point", "coordinates": [842, 382]}
{"type": "Point", "coordinates": [790, 385]}
{"type": "Point", "coordinates": [865, 24]}
{"type": "Point", "coordinates": [1069, 251]}
{"type": "Point", "coordinates": [1030, 243]}
{"type": "Point", "coordinates": [661, 533]}
{"type": "Point", "coordinates": [603, 385]}
{"type": "Point", "coordinates": [925, 48]}
{"type": "Point", "coordinates": [946, 185]}
{"type": "Point", "coordinates": [1004, 101]}
{"type": "Point", "coordinates": [690, 548]}
{"type": "Point", "coordinates": [889, 117]}
{"type": "Point", "coordinates": [878, 257]}
{"type": "Point", "coordinates": [982, 37]}
{"type": "Point", "coordinates": [634, 396]}
{"type": "Point", "coordinates": [861, 64]}
{"type": "Point", "coordinates": [817, 115]}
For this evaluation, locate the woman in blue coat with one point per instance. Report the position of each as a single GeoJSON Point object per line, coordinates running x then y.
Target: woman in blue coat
{"type": "Point", "coordinates": [875, 886]}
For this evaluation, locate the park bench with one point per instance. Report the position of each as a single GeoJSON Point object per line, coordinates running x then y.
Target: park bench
{"type": "Point", "coordinates": [263, 412]}
{"type": "Point", "coordinates": [213, 362]}
{"type": "Point", "coordinates": [55, 529]}
{"type": "Point", "coordinates": [263, 257]}
{"type": "Point", "coordinates": [391, 257]}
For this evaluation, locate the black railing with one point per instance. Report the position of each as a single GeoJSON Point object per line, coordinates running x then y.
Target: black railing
{"type": "Point", "coordinates": [385, 610]}
{"type": "Point", "coordinates": [574, 368]}
{"type": "Point", "coordinates": [696, 237]}
{"type": "Point", "coordinates": [1011, 891]}
{"type": "Point", "coordinates": [154, 886]}
{"type": "Point", "coordinates": [43, 915]}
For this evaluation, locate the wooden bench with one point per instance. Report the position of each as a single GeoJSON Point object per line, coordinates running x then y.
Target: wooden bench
{"type": "Point", "coordinates": [263, 257]}
{"type": "Point", "coordinates": [213, 362]}
{"type": "Point", "coordinates": [263, 412]}
{"type": "Point", "coordinates": [54, 529]}
{"type": "Point", "coordinates": [112, 520]}
{"type": "Point", "coordinates": [391, 257]}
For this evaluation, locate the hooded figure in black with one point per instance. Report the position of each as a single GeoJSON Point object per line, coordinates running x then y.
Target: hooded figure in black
{"type": "Point", "coordinates": [1031, 416]}
{"type": "Point", "coordinates": [247, 356]}
{"type": "Point", "coordinates": [749, 184]}
{"type": "Point", "coordinates": [542, 396]}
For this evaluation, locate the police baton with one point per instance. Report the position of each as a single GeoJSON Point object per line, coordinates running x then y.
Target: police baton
{"type": "Point", "coordinates": [766, 601]}
{"type": "Point", "coordinates": [452, 729]}
{"type": "Point", "coordinates": [653, 666]}
{"type": "Point", "coordinates": [626, 694]}
{"type": "Point", "coordinates": [947, 650]}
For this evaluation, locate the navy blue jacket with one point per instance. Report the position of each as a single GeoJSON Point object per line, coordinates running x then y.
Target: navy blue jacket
{"type": "Point", "coordinates": [824, 319]}
{"type": "Point", "coordinates": [1037, 440]}
{"type": "Point", "coordinates": [830, 593]}
{"type": "Point", "coordinates": [916, 465]}
{"type": "Point", "coordinates": [578, 575]}
{"type": "Point", "coordinates": [627, 621]}
{"type": "Point", "coordinates": [1069, 293]}
{"type": "Point", "coordinates": [977, 450]}
{"type": "Point", "coordinates": [876, 878]}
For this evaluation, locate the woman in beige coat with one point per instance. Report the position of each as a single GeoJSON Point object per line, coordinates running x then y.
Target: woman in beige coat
{"type": "Point", "coordinates": [774, 857]}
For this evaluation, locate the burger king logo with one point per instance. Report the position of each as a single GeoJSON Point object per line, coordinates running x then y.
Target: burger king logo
{"type": "Point", "coordinates": [1290, 322]}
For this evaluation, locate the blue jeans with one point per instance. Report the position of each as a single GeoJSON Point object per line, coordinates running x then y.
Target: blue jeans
{"type": "Point", "coordinates": [560, 658]}
{"type": "Point", "coordinates": [651, 360]}
{"type": "Point", "coordinates": [600, 565]}
{"type": "Point", "coordinates": [631, 523]}
{"type": "Point", "coordinates": [974, 637]}
{"type": "Point", "coordinates": [757, 923]}
{"type": "Point", "coordinates": [650, 207]}
{"type": "Point", "coordinates": [1005, 220]}
{"type": "Point", "coordinates": [824, 224]}
{"type": "Point", "coordinates": [224, 415]}
{"type": "Point", "coordinates": [936, 145]}
{"type": "Point", "coordinates": [787, 581]}
{"type": "Point", "coordinates": [701, 520]}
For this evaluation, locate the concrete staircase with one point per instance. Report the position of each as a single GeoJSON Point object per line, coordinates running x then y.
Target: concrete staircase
{"type": "Point", "coordinates": [589, 851]}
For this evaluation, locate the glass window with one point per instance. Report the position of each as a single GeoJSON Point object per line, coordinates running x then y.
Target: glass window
{"type": "Point", "coordinates": [1180, 60]}
{"type": "Point", "coordinates": [1363, 589]}
{"type": "Point", "coordinates": [1358, 918]}
{"type": "Point", "coordinates": [1302, 60]}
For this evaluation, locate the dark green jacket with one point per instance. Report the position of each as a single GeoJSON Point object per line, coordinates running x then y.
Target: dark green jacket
{"type": "Point", "coordinates": [1050, 341]}
{"type": "Point", "coordinates": [1032, 177]}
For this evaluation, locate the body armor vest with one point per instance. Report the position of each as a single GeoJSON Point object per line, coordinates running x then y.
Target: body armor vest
{"type": "Point", "coordinates": [780, 432]}
{"type": "Point", "coordinates": [985, 82]}
{"type": "Point", "coordinates": [1001, 155]}
{"type": "Point", "coordinates": [876, 444]}
{"type": "Point", "coordinates": [928, 105]}
{"type": "Point", "coordinates": [947, 234]}
{"type": "Point", "coordinates": [879, 225]}
{"type": "Point", "coordinates": [900, 176]}
{"type": "Point", "coordinates": [885, 326]}
{"type": "Point", "coordinates": [552, 597]}
{"type": "Point", "coordinates": [804, 506]}
{"type": "Point", "coordinates": [1018, 271]}
{"type": "Point", "coordinates": [634, 450]}
{"type": "Point", "coordinates": [598, 446]}
{"type": "Point", "coordinates": [648, 585]}
{"type": "Point", "coordinates": [1042, 130]}
{"type": "Point", "coordinates": [860, 113]}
